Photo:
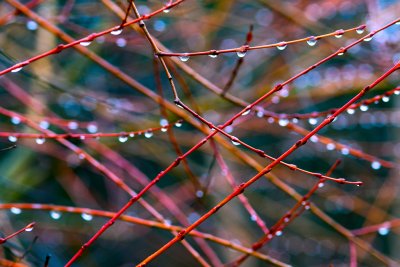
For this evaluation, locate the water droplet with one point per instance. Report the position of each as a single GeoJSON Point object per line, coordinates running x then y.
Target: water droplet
{"type": "Point", "coordinates": [345, 151]}
{"type": "Point", "coordinates": [15, 210]}
{"type": "Point", "coordinates": [85, 43]}
{"type": "Point", "coordinates": [375, 165]}
{"type": "Point", "coordinates": [350, 111]}
{"type": "Point", "coordinates": [398, 23]}
{"type": "Point", "coordinates": [307, 207]}
{"type": "Point", "coordinates": [40, 140]}
{"type": "Point", "coordinates": [15, 120]}
{"type": "Point", "coordinates": [341, 53]}
{"type": "Point", "coordinates": [383, 231]}
{"type": "Point", "coordinates": [82, 156]}
{"type": "Point", "coordinates": [312, 41]}
{"type": "Point", "coordinates": [246, 112]}
{"type": "Point", "coordinates": [269, 236]}
{"type": "Point", "coordinates": [148, 134]}
{"type": "Point", "coordinates": [92, 128]}
{"type": "Point", "coordinates": [363, 107]}
{"type": "Point", "coordinates": [235, 141]}
{"type": "Point", "coordinates": [178, 124]}
{"type": "Point", "coordinates": [367, 39]}
{"type": "Point", "coordinates": [397, 92]}
{"type": "Point", "coordinates": [17, 69]}
{"type": "Point", "coordinates": [123, 138]}
{"type": "Point", "coordinates": [283, 122]}
{"type": "Point", "coordinates": [253, 217]}
{"type": "Point", "coordinates": [260, 113]}
{"type": "Point", "coordinates": [12, 138]}
{"type": "Point", "coordinates": [286, 219]}
{"type": "Point", "coordinates": [295, 120]}
{"type": "Point", "coordinates": [167, 10]}
{"type": "Point", "coordinates": [385, 99]}
{"type": "Point", "coordinates": [44, 124]}
{"type": "Point", "coordinates": [199, 193]}
{"type": "Point", "coordinates": [86, 216]}
{"type": "Point", "coordinates": [163, 122]}
{"type": "Point", "coordinates": [278, 233]}
{"type": "Point", "coordinates": [281, 46]}
{"type": "Point", "coordinates": [213, 56]}
{"type": "Point", "coordinates": [164, 129]}
{"type": "Point", "coordinates": [167, 222]}
{"type": "Point", "coordinates": [73, 125]}
{"type": "Point", "coordinates": [330, 146]}
{"type": "Point", "coordinates": [55, 214]}
{"type": "Point", "coordinates": [320, 185]}
{"type": "Point", "coordinates": [241, 53]}
{"type": "Point", "coordinates": [82, 137]}
{"type": "Point", "coordinates": [312, 121]}
{"type": "Point", "coordinates": [229, 129]}
{"type": "Point", "coordinates": [314, 139]}
{"type": "Point", "coordinates": [339, 33]}
{"type": "Point", "coordinates": [184, 58]}
{"type": "Point", "coordinates": [360, 30]}
{"type": "Point", "coordinates": [31, 25]}
{"type": "Point", "coordinates": [132, 135]}
{"type": "Point", "coordinates": [116, 32]}
{"type": "Point", "coordinates": [29, 228]}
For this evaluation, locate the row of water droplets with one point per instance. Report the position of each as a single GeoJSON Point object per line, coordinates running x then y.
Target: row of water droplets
{"type": "Point", "coordinates": [311, 41]}
{"type": "Point", "coordinates": [54, 214]}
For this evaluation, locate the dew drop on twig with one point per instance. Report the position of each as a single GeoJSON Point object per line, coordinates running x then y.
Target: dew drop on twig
{"type": "Point", "coordinates": [15, 210]}
{"type": "Point", "coordinates": [55, 214]}
{"type": "Point", "coordinates": [123, 138]}
{"type": "Point", "coordinates": [40, 140]}
{"type": "Point", "coordinates": [85, 43]}
{"type": "Point", "coordinates": [178, 124]}
{"type": "Point", "coordinates": [375, 165]}
{"type": "Point", "coordinates": [29, 229]}
{"type": "Point", "coordinates": [12, 138]}
{"type": "Point", "coordinates": [148, 134]}
{"type": "Point", "coordinates": [184, 58]}
{"type": "Point", "coordinates": [241, 53]}
{"type": "Point", "coordinates": [312, 41]}
{"type": "Point", "coordinates": [116, 32]}
{"type": "Point", "coordinates": [281, 46]}
{"type": "Point", "coordinates": [86, 216]}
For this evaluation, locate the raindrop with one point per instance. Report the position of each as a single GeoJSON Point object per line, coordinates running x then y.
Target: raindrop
{"type": "Point", "coordinates": [295, 120]}
{"type": "Point", "coordinates": [283, 122]}
{"type": "Point", "coordinates": [312, 41]}
{"type": "Point", "coordinates": [15, 120]}
{"type": "Point", "coordinates": [281, 46]}
{"type": "Point", "coordinates": [246, 112]}
{"type": "Point", "coordinates": [163, 122]}
{"type": "Point", "coordinates": [148, 134]}
{"type": "Point", "coordinates": [123, 138]}
{"type": "Point", "coordinates": [17, 69]}
{"type": "Point", "coordinates": [85, 43]}
{"type": "Point", "coordinates": [199, 193]}
{"type": "Point", "coordinates": [320, 185]}
{"type": "Point", "coordinates": [367, 39]}
{"type": "Point", "coordinates": [363, 107]}
{"type": "Point", "coordinates": [360, 30]}
{"type": "Point", "coordinates": [31, 25]}
{"type": "Point", "coordinates": [307, 207]}
{"type": "Point", "coordinates": [345, 151]}
{"type": "Point", "coordinates": [312, 121]}
{"type": "Point", "coordinates": [178, 124]}
{"type": "Point", "coordinates": [235, 141]}
{"type": "Point", "coordinates": [375, 165]}
{"type": "Point", "coordinates": [213, 56]}
{"type": "Point", "coordinates": [184, 58]}
{"type": "Point", "coordinates": [15, 210]}
{"type": "Point", "coordinates": [278, 233]}
{"type": "Point", "coordinates": [55, 214]}
{"type": "Point", "coordinates": [385, 99]}
{"type": "Point", "coordinates": [81, 156]}
{"type": "Point", "coordinates": [339, 33]}
{"type": "Point", "coordinates": [44, 124]}
{"type": "Point", "coordinates": [73, 125]}
{"type": "Point", "coordinates": [132, 135]}
{"type": "Point", "coordinates": [92, 128]}
{"type": "Point", "coordinates": [29, 228]}
{"type": "Point", "coordinates": [167, 10]}
{"type": "Point", "coordinates": [350, 111]}
{"type": "Point", "coordinates": [40, 140]}
{"type": "Point", "coordinates": [253, 217]}
{"type": "Point", "coordinates": [12, 138]}
{"type": "Point", "coordinates": [398, 23]}
{"type": "Point", "coordinates": [241, 53]}
{"type": "Point", "coordinates": [397, 92]}
{"type": "Point", "coordinates": [383, 231]}
{"type": "Point", "coordinates": [86, 216]}
{"type": "Point", "coordinates": [330, 146]}
{"type": "Point", "coordinates": [164, 129]}
{"type": "Point", "coordinates": [116, 32]}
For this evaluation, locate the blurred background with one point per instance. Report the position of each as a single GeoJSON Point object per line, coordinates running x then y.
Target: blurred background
{"type": "Point", "coordinates": [70, 92]}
